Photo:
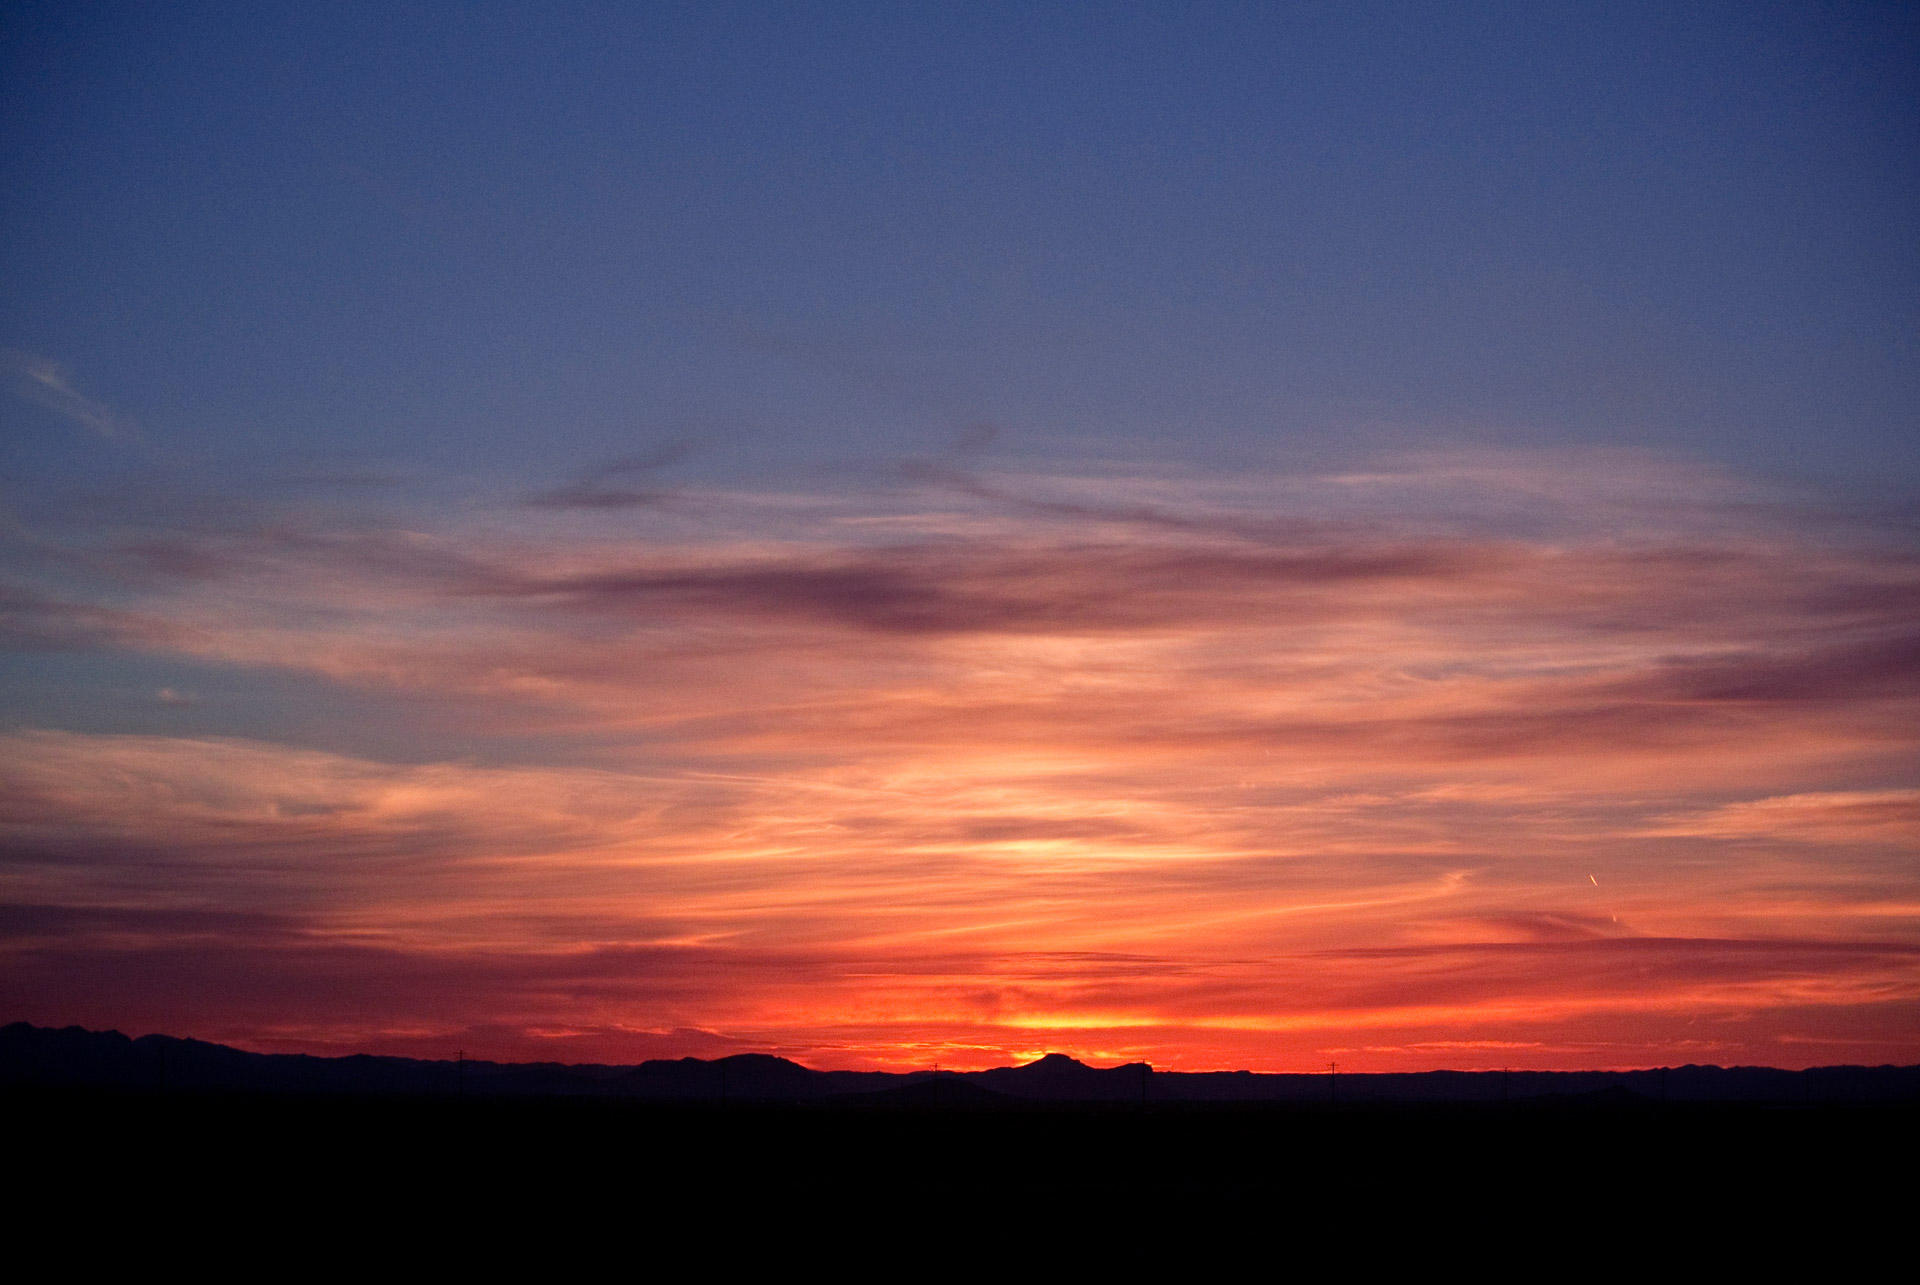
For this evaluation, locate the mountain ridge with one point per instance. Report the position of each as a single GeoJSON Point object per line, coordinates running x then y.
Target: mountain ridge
{"type": "Point", "coordinates": [34, 1056]}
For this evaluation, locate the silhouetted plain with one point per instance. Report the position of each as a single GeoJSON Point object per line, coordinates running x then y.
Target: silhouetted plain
{"type": "Point", "coordinates": [167, 1139]}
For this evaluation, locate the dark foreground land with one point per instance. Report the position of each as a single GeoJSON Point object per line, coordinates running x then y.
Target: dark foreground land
{"type": "Point", "coordinates": [116, 1150]}
{"type": "Point", "coordinates": [176, 1171]}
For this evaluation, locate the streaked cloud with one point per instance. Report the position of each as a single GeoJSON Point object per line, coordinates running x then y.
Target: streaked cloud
{"type": "Point", "coordinates": [43, 382]}
{"type": "Point", "coordinates": [1844, 816]}
{"type": "Point", "coordinates": [618, 484]}
{"type": "Point", "coordinates": [1199, 769]}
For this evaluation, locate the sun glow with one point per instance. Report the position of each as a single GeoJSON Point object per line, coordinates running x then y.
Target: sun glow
{"type": "Point", "coordinates": [1230, 791]}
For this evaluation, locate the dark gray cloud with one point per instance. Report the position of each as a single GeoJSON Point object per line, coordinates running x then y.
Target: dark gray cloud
{"type": "Point", "coordinates": [1849, 671]}
{"type": "Point", "coordinates": [33, 619]}
{"type": "Point", "coordinates": [618, 484]}
{"type": "Point", "coordinates": [26, 921]}
{"type": "Point", "coordinates": [954, 589]}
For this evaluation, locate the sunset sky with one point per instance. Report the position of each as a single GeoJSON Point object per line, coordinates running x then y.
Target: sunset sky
{"type": "Point", "coordinates": [1239, 536]}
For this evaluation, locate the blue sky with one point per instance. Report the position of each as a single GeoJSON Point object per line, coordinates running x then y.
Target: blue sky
{"type": "Point", "coordinates": [506, 241]}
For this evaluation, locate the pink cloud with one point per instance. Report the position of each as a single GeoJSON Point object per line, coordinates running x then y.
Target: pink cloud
{"type": "Point", "coordinates": [1072, 757]}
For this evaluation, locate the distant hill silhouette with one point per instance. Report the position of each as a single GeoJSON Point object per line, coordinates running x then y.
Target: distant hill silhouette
{"type": "Point", "coordinates": [74, 1057]}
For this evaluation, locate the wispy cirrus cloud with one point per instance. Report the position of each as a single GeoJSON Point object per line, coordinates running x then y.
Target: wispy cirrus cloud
{"type": "Point", "coordinates": [619, 484]}
{"type": "Point", "coordinates": [43, 381]}
{"type": "Point", "coordinates": [938, 767]}
{"type": "Point", "coordinates": [33, 619]}
{"type": "Point", "coordinates": [1838, 816]}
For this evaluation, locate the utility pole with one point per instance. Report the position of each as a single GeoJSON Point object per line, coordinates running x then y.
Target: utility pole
{"type": "Point", "coordinates": [460, 1073]}
{"type": "Point", "coordinates": [1333, 1082]}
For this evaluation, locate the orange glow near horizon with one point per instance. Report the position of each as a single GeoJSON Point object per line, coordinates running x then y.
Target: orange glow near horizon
{"type": "Point", "coordinates": [1193, 773]}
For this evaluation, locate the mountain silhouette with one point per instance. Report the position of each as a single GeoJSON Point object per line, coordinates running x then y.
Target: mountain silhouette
{"type": "Point", "coordinates": [75, 1057]}
{"type": "Point", "coordinates": [1059, 1078]}
{"type": "Point", "coordinates": [746, 1077]}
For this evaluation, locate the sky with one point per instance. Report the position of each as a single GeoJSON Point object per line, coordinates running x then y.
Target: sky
{"type": "Point", "coordinates": [1238, 536]}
